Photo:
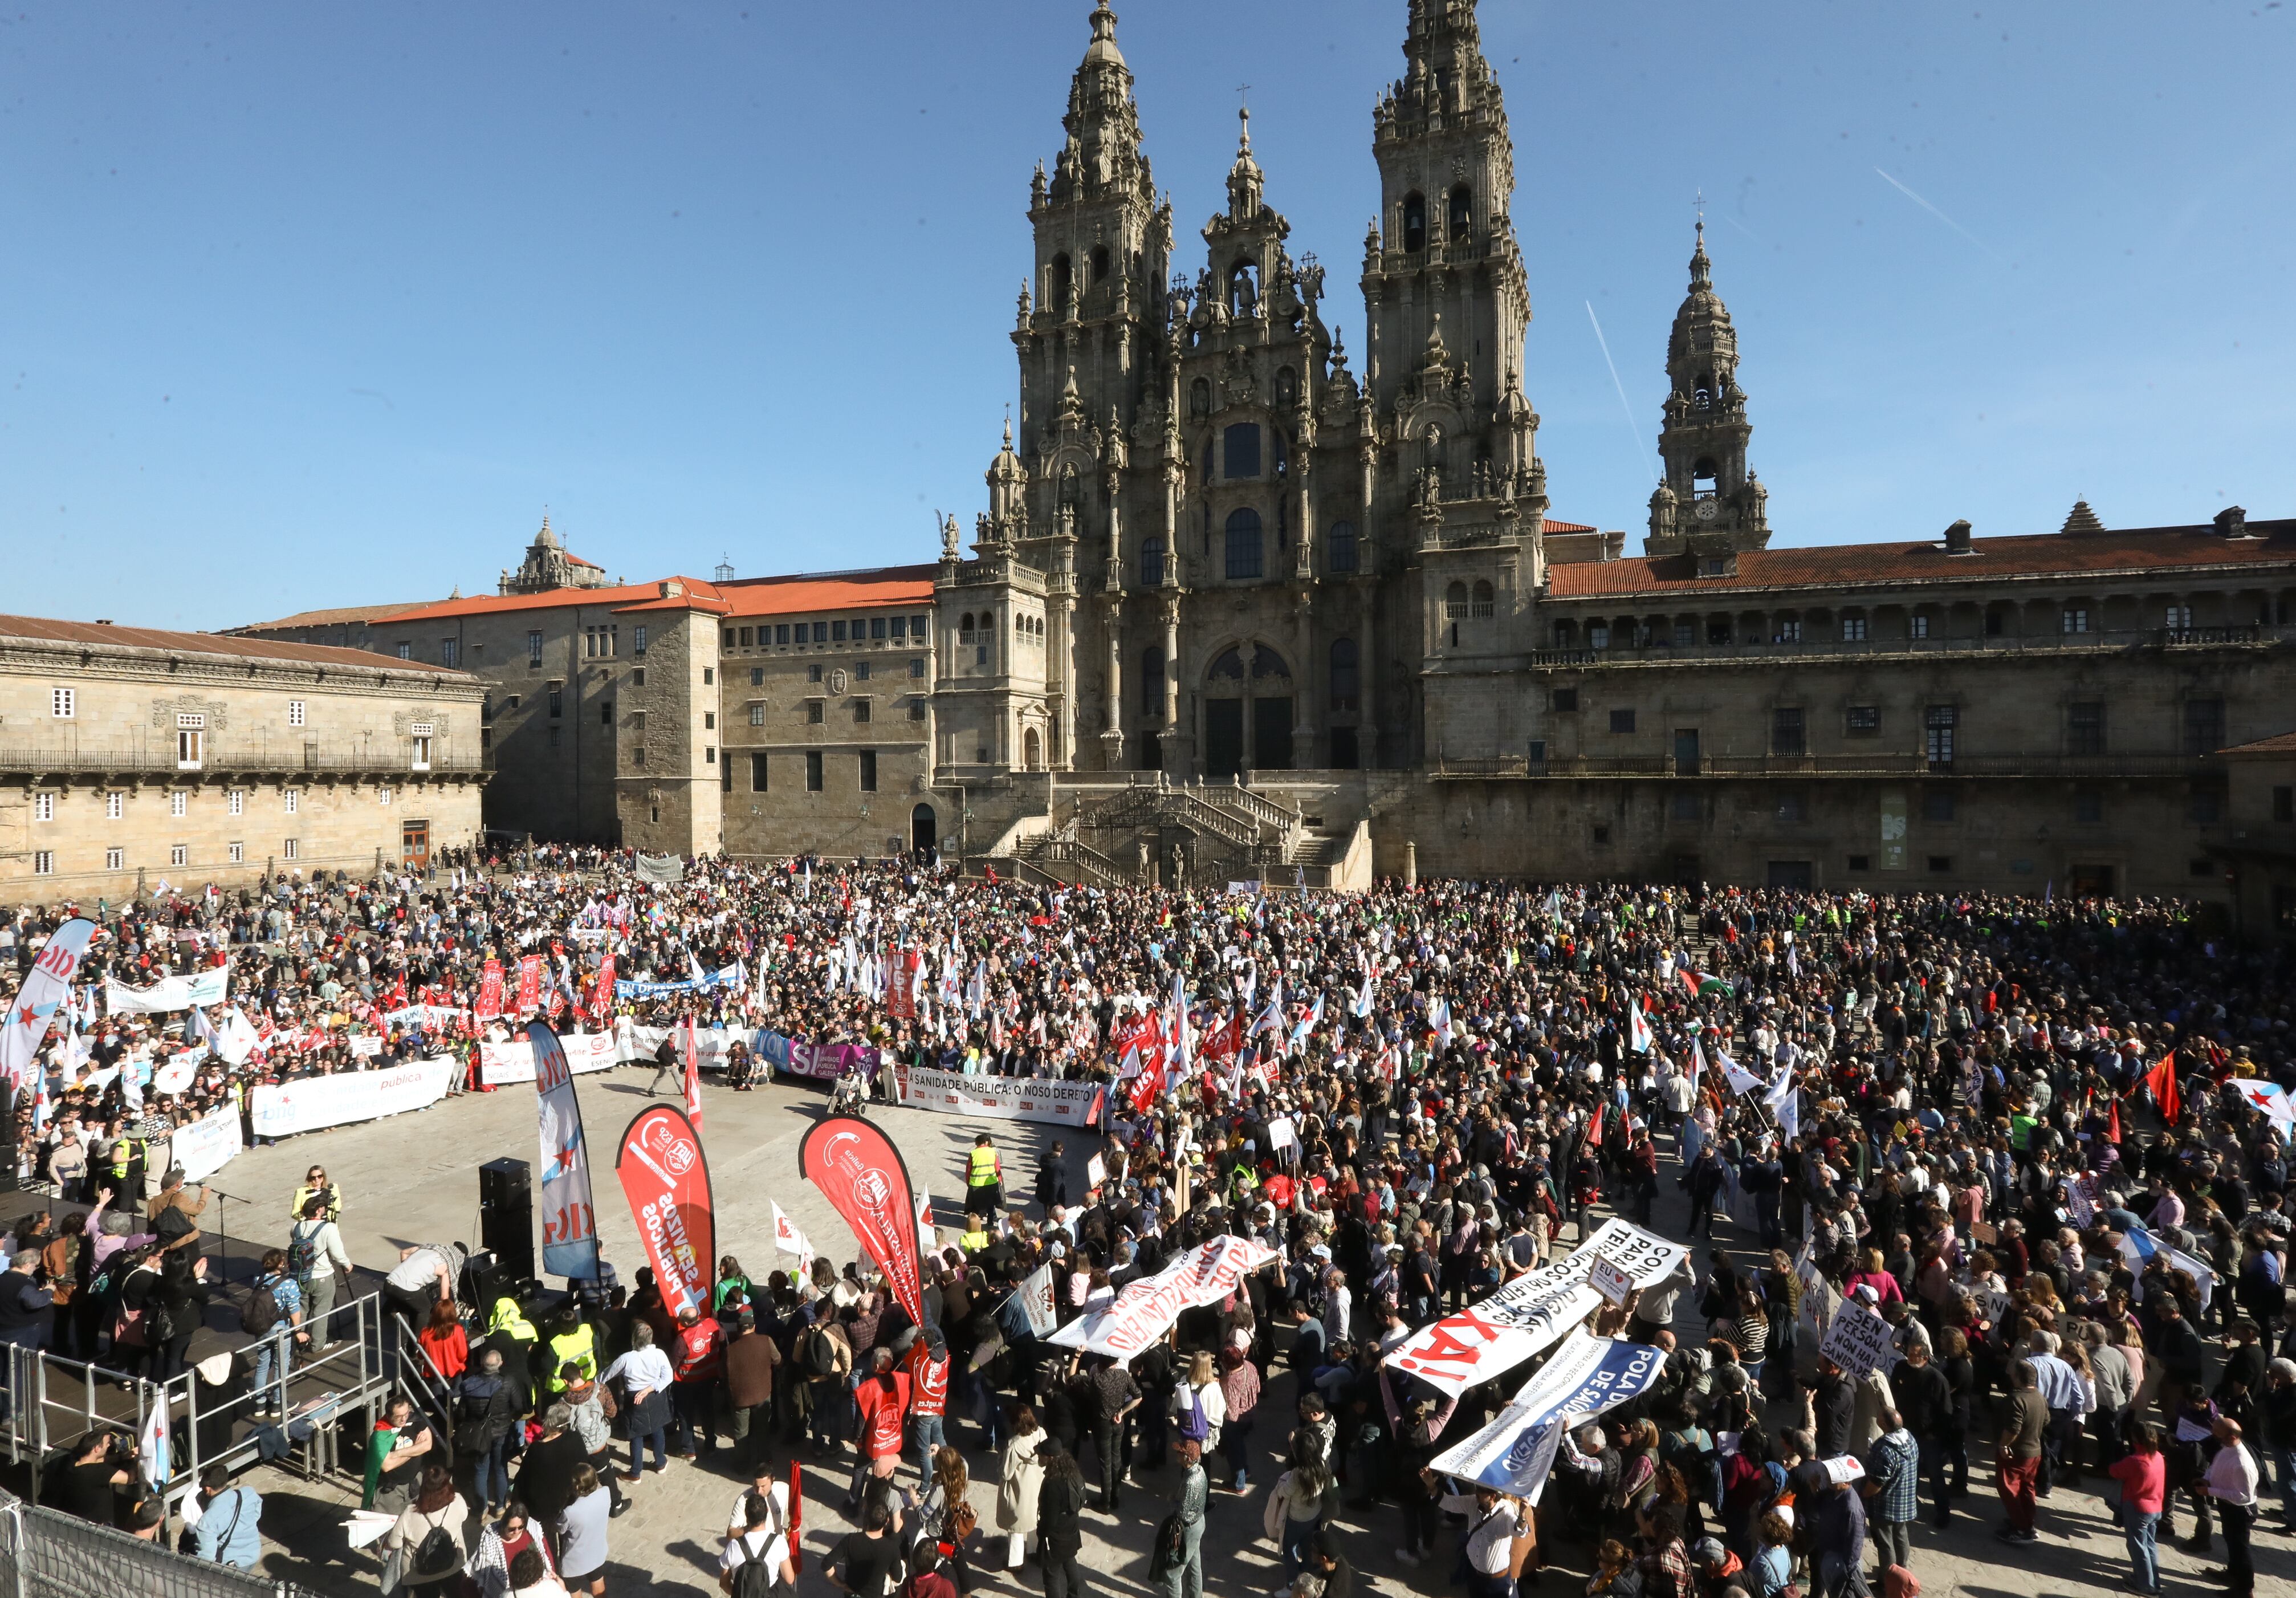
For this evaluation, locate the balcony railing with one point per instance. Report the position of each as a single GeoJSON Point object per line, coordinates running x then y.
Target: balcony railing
{"type": "Point", "coordinates": [1663, 651]}
{"type": "Point", "coordinates": [139, 760]}
{"type": "Point", "coordinates": [1876, 763]}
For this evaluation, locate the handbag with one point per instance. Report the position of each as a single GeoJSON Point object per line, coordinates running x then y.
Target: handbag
{"type": "Point", "coordinates": [1165, 1553]}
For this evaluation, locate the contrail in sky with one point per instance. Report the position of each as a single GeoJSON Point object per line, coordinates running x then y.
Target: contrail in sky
{"type": "Point", "coordinates": [1615, 383]}
{"type": "Point", "coordinates": [1941, 216]}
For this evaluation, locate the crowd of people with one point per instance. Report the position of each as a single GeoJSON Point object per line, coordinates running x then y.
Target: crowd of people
{"type": "Point", "coordinates": [2038, 1139]}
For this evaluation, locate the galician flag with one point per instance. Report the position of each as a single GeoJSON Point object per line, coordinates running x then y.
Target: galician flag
{"type": "Point", "coordinates": [1638, 1028]}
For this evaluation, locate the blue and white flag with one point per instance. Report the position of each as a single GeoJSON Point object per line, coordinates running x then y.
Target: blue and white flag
{"type": "Point", "coordinates": [1638, 1028]}
{"type": "Point", "coordinates": [1586, 1376]}
{"type": "Point", "coordinates": [2138, 1245]}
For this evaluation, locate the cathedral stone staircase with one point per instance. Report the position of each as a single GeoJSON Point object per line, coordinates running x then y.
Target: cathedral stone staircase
{"type": "Point", "coordinates": [1197, 834]}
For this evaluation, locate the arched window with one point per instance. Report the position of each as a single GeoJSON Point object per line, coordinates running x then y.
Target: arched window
{"type": "Point", "coordinates": [1268, 665]}
{"type": "Point", "coordinates": [1099, 262]}
{"type": "Point", "coordinates": [1415, 221]}
{"type": "Point", "coordinates": [1287, 387]}
{"type": "Point", "coordinates": [1243, 553]}
{"type": "Point", "coordinates": [1152, 682]}
{"type": "Point", "coordinates": [1229, 665]}
{"type": "Point", "coordinates": [1340, 547]}
{"type": "Point", "coordinates": [1200, 398]}
{"type": "Point", "coordinates": [1240, 451]}
{"type": "Point", "coordinates": [1151, 562]}
{"type": "Point", "coordinates": [1347, 675]}
{"type": "Point", "coordinates": [1483, 601]}
{"type": "Point", "coordinates": [1455, 602]}
{"type": "Point", "coordinates": [1702, 479]}
{"type": "Point", "coordinates": [1703, 398]}
{"type": "Point", "coordinates": [965, 627]}
{"type": "Point", "coordinates": [1064, 280]}
{"type": "Point", "coordinates": [1242, 290]}
{"type": "Point", "coordinates": [1463, 212]}
{"type": "Point", "coordinates": [1566, 634]}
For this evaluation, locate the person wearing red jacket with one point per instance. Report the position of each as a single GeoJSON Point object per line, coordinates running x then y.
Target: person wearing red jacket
{"type": "Point", "coordinates": [927, 1367]}
{"type": "Point", "coordinates": [883, 1403]}
{"type": "Point", "coordinates": [697, 1356]}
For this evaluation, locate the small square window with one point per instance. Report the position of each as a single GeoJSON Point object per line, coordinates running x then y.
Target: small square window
{"type": "Point", "coordinates": [860, 710]}
{"type": "Point", "coordinates": [44, 863]}
{"type": "Point", "coordinates": [837, 632]}
{"type": "Point", "coordinates": [294, 712]}
{"type": "Point", "coordinates": [115, 806]}
{"type": "Point", "coordinates": [1622, 721]}
{"type": "Point", "coordinates": [900, 628]}
{"type": "Point", "coordinates": [236, 852]}
{"type": "Point", "coordinates": [757, 676]}
{"type": "Point", "coordinates": [816, 711]}
{"type": "Point", "coordinates": [1861, 863]}
{"type": "Point", "coordinates": [64, 703]}
{"type": "Point", "coordinates": [2200, 868]}
{"type": "Point", "coordinates": [710, 754]}
{"type": "Point", "coordinates": [1864, 721]}
{"type": "Point", "coordinates": [235, 803]}
{"type": "Point", "coordinates": [709, 721]}
{"type": "Point", "coordinates": [745, 637]}
{"type": "Point", "coordinates": [2284, 803]}
{"type": "Point", "coordinates": [813, 770]}
{"type": "Point", "coordinates": [1940, 864]}
{"type": "Point", "coordinates": [709, 677]}
{"type": "Point", "coordinates": [637, 641]}
{"type": "Point", "coordinates": [821, 632]}
{"type": "Point", "coordinates": [383, 795]}
{"type": "Point", "coordinates": [2073, 618]}
{"type": "Point", "coordinates": [637, 680]}
{"type": "Point", "coordinates": [916, 710]}
{"type": "Point", "coordinates": [813, 672]}
{"type": "Point", "coordinates": [757, 713]}
{"type": "Point", "coordinates": [1602, 834]}
{"type": "Point", "coordinates": [868, 771]}
{"type": "Point", "coordinates": [781, 633]}
{"type": "Point", "coordinates": [115, 859]}
{"type": "Point", "coordinates": [1917, 626]}
{"type": "Point", "coordinates": [606, 713]}
{"type": "Point", "coordinates": [179, 854]}
{"type": "Point", "coordinates": [407, 652]}
{"type": "Point", "coordinates": [1853, 631]}
{"type": "Point", "coordinates": [294, 797]}
{"type": "Point", "coordinates": [44, 807]}
{"type": "Point", "coordinates": [178, 801]}
{"type": "Point", "coordinates": [861, 671]}
{"type": "Point", "coordinates": [1566, 700]}
{"type": "Point", "coordinates": [917, 629]}
{"type": "Point", "coordinates": [287, 849]}
{"type": "Point", "coordinates": [876, 627]}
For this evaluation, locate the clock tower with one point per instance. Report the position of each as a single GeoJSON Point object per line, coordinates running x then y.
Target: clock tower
{"type": "Point", "coordinates": [1710, 505]}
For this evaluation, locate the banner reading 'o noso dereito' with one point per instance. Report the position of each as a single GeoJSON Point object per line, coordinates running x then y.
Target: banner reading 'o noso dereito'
{"type": "Point", "coordinates": [1000, 1098]}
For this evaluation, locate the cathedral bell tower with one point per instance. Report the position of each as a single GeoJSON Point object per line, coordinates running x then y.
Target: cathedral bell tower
{"type": "Point", "coordinates": [1710, 505]}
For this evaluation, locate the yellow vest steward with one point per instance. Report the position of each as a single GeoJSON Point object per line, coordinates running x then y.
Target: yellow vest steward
{"type": "Point", "coordinates": [579, 1346]}
{"type": "Point", "coordinates": [984, 1168]}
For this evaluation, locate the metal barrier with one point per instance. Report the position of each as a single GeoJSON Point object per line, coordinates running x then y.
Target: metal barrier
{"type": "Point", "coordinates": [47, 1553]}
{"type": "Point", "coordinates": [53, 1402]}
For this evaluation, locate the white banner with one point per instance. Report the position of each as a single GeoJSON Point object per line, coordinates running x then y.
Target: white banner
{"type": "Point", "coordinates": [1586, 1376]}
{"type": "Point", "coordinates": [569, 1222]}
{"type": "Point", "coordinates": [309, 1103]}
{"type": "Point", "coordinates": [1141, 1314]}
{"type": "Point", "coordinates": [1858, 1341]}
{"type": "Point", "coordinates": [999, 1098]}
{"type": "Point", "coordinates": [710, 1044]}
{"type": "Point", "coordinates": [206, 1145]}
{"type": "Point", "coordinates": [1530, 1314]}
{"type": "Point", "coordinates": [46, 990]}
{"type": "Point", "coordinates": [169, 993]}
{"type": "Point", "coordinates": [501, 1062]}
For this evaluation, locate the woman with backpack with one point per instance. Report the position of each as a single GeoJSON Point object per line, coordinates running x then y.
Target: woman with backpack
{"type": "Point", "coordinates": [426, 1541]}
{"type": "Point", "coordinates": [1199, 1406]}
{"type": "Point", "coordinates": [274, 1316]}
{"type": "Point", "coordinates": [1303, 1497]}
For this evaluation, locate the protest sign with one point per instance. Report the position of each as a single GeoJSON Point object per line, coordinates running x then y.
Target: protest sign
{"type": "Point", "coordinates": [1859, 1341]}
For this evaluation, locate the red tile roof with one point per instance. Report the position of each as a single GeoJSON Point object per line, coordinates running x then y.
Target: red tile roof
{"type": "Point", "coordinates": [337, 616]}
{"type": "Point", "coordinates": [1553, 526]}
{"type": "Point", "coordinates": [206, 643]}
{"type": "Point", "coordinates": [2279, 743]}
{"type": "Point", "coordinates": [2133, 551]}
{"type": "Point", "coordinates": [747, 596]}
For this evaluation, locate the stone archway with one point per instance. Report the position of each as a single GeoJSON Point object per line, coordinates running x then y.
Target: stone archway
{"type": "Point", "coordinates": [1248, 710]}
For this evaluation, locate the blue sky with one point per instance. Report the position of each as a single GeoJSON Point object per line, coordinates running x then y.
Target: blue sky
{"type": "Point", "coordinates": [322, 305]}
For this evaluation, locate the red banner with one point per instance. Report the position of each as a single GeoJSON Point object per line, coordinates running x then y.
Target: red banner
{"type": "Point", "coordinates": [861, 1174]}
{"type": "Point", "coordinates": [490, 991]}
{"type": "Point", "coordinates": [692, 1073]}
{"type": "Point", "coordinates": [602, 994]}
{"type": "Point", "coordinates": [529, 984]}
{"type": "Point", "coordinates": [901, 984]}
{"type": "Point", "coordinates": [667, 1181]}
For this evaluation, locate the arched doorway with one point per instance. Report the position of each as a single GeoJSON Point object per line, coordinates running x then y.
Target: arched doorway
{"type": "Point", "coordinates": [924, 830]}
{"type": "Point", "coordinates": [1032, 751]}
{"type": "Point", "coordinates": [1253, 675]}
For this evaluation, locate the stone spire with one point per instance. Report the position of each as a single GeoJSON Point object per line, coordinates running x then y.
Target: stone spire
{"type": "Point", "coordinates": [2082, 520]}
{"type": "Point", "coordinates": [1247, 184]}
{"type": "Point", "coordinates": [1102, 152]}
{"type": "Point", "coordinates": [1709, 502]}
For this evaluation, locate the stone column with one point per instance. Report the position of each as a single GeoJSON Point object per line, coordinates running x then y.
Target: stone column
{"type": "Point", "coordinates": [1171, 735]}
{"type": "Point", "coordinates": [1060, 655]}
{"type": "Point", "coordinates": [1303, 685]}
{"type": "Point", "coordinates": [1111, 742]}
{"type": "Point", "coordinates": [1411, 866]}
{"type": "Point", "coordinates": [1366, 685]}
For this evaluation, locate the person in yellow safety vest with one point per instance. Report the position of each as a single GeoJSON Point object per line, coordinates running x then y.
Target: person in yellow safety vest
{"type": "Point", "coordinates": [572, 1342]}
{"type": "Point", "coordinates": [974, 1237]}
{"type": "Point", "coordinates": [984, 1179]}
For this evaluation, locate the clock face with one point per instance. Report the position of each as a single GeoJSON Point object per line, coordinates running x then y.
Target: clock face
{"type": "Point", "coordinates": [1708, 510]}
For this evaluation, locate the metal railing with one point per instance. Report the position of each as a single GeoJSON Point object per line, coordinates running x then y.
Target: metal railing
{"type": "Point", "coordinates": [146, 760]}
{"type": "Point", "coordinates": [1650, 649]}
{"type": "Point", "coordinates": [1879, 763]}
{"type": "Point", "coordinates": [47, 1553]}
{"type": "Point", "coordinates": [54, 1402]}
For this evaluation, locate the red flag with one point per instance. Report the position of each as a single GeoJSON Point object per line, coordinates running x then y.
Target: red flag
{"type": "Point", "coordinates": [2112, 1123]}
{"type": "Point", "coordinates": [1595, 1128]}
{"type": "Point", "coordinates": [398, 999]}
{"type": "Point", "coordinates": [862, 1175]}
{"type": "Point", "coordinates": [602, 995]}
{"type": "Point", "coordinates": [490, 991]}
{"type": "Point", "coordinates": [2163, 1080]}
{"type": "Point", "coordinates": [692, 1052]}
{"type": "Point", "coordinates": [666, 1182]}
{"type": "Point", "coordinates": [797, 1517]}
{"type": "Point", "coordinates": [529, 984]}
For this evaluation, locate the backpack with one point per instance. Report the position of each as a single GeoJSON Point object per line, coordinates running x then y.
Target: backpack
{"type": "Point", "coordinates": [436, 1554]}
{"type": "Point", "coordinates": [1193, 1425]}
{"type": "Point", "coordinates": [752, 1578]}
{"type": "Point", "coordinates": [303, 1250]}
{"type": "Point", "coordinates": [261, 1315]}
{"type": "Point", "coordinates": [819, 1354]}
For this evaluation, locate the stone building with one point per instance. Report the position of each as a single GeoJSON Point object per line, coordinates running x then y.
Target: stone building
{"type": "Point", "coordinates": [1237, 608]}
{"type": "Point", "coordinates": [127, 757]}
